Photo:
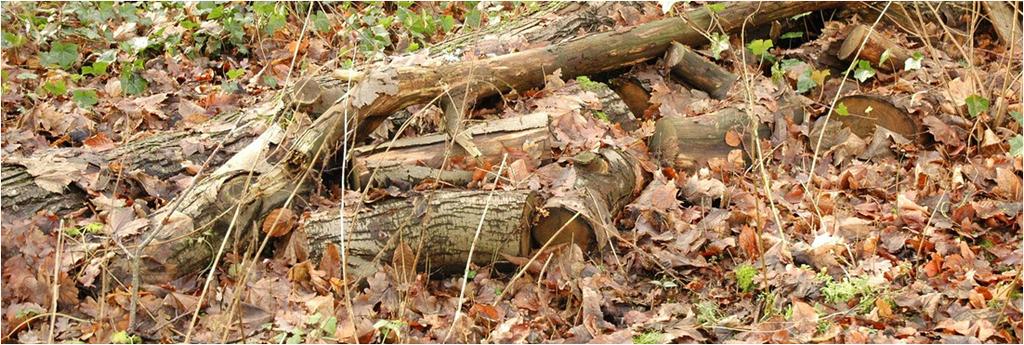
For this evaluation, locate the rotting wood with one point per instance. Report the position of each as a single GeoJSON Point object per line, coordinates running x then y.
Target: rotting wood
{"type": "Point", "coordinates": [698, 71]}
{"type": "Point", "coordinates": [393, 87]}
{"type": "Point", "coordinates": [877, 43]}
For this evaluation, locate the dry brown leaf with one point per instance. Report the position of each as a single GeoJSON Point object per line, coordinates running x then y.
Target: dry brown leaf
{"type": "Point", "coordinates": [732, 138]}
{"type": "Point", "coordinates": [279, 222]}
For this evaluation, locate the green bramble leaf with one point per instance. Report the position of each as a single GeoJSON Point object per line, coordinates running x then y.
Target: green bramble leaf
{"type": "Point", "coordinates": [792, 34]}
{"type": "Point", "coordinates": [976, 105]}
{"type": "Point", "coordinates": [56, 87]}
{"type": "Point", "coordinates": [805, 82]}
{"type": "Point", "coordinates": [716, 7]}
{"type": "Point", "coordinates": [235, 73]}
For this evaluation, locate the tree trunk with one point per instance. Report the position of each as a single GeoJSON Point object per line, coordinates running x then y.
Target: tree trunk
{"type": "Point", "coordinates": [384, 90]}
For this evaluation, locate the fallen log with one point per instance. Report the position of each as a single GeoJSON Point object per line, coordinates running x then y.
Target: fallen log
{"type": "Point", "coordinates": [382, 91]}
{"type": "Point", "coordinates": [698, 71]}
{"type": "Point", "coordinates": [409, 161]}
{"type": "Point", "coordinates": [160, 156]}
{"type": "Point", "coordinates": [439, 226]}
{"type": "Point", "coordinates": [877, 44]}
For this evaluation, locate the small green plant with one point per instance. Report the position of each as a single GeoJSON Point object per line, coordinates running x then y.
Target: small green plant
{"type": "Point", "coordinates": [760, 49]}
{"type": "Point", "coordinates": [841, 109]}
{"type": "Point", "coordinates": [745, 274]}
{"type": "Point", "coordinates": [864, 71]}
{"type": "Point", "coordinates": [976, 105]}
{"type": "Point", "coordinates": [823, 326]}
{"type": "Point", "coordinates": [387, 326]}
{"type": "Point", "coordinates": [649, 337]}
{"type": "Point", "coordinates": [719, 44]}
{"type": "Point", "coordinates": [589, 85]}
{"type": "Point", "coordinates": [708, 313]}
{"type": "Point", "coordinates": [123, 337]}
{"type": "Point", "coordinates": [665, 283]}
{"type": "Point", "coordinates": [849, 288]}
{"type": "Point", "coordinates": [913, 62]}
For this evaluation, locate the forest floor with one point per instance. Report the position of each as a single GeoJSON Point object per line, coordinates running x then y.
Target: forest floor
{"type": "Point", "coordinates": [831, 238]}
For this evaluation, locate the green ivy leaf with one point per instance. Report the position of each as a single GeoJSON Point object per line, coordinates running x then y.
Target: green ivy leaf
{"type": "Point", "coordinates": [61, 54]}
{"type": "Point", "coordinates": [56, 87]}
{"type": "Point", "coordinates": [841, 109]}
{"type": "Point", "coordinates": [132, 83]}
{"type": "Point", "coordinates": [98, 68]}
{"type": "Point", "coordinates": [1016, 115]}
{"type": "Point", "coordinates": [235, 73]}
{"type": "Point", "coordinates": [805, 82]}
{"type": "Point", "coordinates": [1017, 145]}
{"type": "Point", "coordinates": [472, 18]}
{"type": "Point", "coordinates": [864, 71]}
{"type": "Point", "coordinates": [913, 62]}
{"type": "Point", "coordinates": [760, 47]}
{"type": "Point", "coordinates": [719, 44]}
{"type": "Point", "coordinates": [792, 34]}
{"type": "Point", "coordinates": [85, 98]}
{"type": "Point", "coordinates": [976, 105]}
{"type": "Point", "coordinates": [716, 7]}
{"type": "Point", "coordinates": [320, 22]}
{"type": "Point", "coordinates": [330, 326]}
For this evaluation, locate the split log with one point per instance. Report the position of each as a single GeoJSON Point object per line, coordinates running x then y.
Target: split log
{"type": "Point", "coordinates": [439, 226]}
{"type": "Point", "coordinates": [877, 43]}
{"type": "Point", "coordinates": [698, 71]}
{"type": "Point", "coordinates": [386, 89]}
{"type": "Point", "coordinates": [159, 156]}
{"type": "Point", "coordinates": [408, 161]}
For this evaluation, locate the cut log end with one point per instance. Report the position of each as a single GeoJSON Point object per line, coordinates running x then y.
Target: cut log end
{"type": "Point", "coordinates": [866, 112]}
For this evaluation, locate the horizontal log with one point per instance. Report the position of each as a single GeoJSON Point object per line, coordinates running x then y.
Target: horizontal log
{"type": "Point", "coordinates": [160, 156]}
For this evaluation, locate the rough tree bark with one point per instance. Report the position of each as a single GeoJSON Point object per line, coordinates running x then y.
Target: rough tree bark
{"type": "Point", "coordinates": [381, 91]}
